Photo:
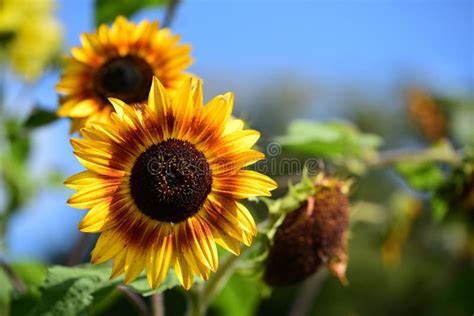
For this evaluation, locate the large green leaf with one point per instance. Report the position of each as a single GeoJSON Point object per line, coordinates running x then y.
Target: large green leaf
{"type": "Point", "coordinates": [70, 290]}
{"type": "Point", "coordinates": [339, 141]}
{"type": "Point", "coordinates": [107, 10]}
{"type": "Point", "coordinates": [141, 285]}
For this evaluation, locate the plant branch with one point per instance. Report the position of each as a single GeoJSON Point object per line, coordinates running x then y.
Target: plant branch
{"type": "Point", "coordinates": [443, 154]}
{"type": "Point", "coordinates": [16, 282]}
{"type": "Point", "coordinates": [307, 293]}
{"type": "Point", "coordinates": [170, 13]}
{"type": "Point", "coordinates": [135, 299]}
{"type": "Point", "coordinates": [158, 304]}
{"type": "Point", "coordinates": [78, 251]}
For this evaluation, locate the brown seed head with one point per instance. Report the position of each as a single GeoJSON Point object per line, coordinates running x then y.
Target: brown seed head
{"type": "Point", "coordinates": [312, 236]}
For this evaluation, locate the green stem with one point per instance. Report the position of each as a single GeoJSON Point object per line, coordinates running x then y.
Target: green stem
{"type": "Point", "coordinates": [170, 12]}
{"type": "Point", "coordinates": [194, 303]}
{"type": "Point", "coordinates": [199, 300]}
{"type": "Point", "coordinates": [431, 154]}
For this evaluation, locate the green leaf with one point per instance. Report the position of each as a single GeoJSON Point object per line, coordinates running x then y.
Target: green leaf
{"type": "Point", "coordinates": [68, 291]}
{"type": "Point", "coordinates": [107, 10]}
{"type": "Point", "coordinates": [423, 176]}
{"type": "Point", "coordinates": [40, 117]}
{"type": "Point", "coordinates": [339, 141]}
{"type": "Point", "coordinates": [71, 290]}
{"type": "Point", "coordinates": [240, 297]}
{"type": "Point", "coordinates": [141, 285]}
{"type": "Point", "coordinates": [32, 275]}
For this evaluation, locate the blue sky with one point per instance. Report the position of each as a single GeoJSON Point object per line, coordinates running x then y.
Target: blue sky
{"type": "Point", "coordinates": [243, 45]}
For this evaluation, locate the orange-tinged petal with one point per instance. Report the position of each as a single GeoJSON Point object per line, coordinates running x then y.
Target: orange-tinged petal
{"type": "Point", "coordinates": [203, 245]}
{"type": "Point", "coordinates": [244, 184]}
{"type": "Point", "coordinates": [215, 114]}
{"type": "Point", "coordinates": [183, 107]}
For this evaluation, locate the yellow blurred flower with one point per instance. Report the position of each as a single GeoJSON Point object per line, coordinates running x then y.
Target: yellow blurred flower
{"type": "Point", "coordinates": [32, 33]}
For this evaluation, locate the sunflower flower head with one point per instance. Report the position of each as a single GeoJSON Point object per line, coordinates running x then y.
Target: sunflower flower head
{"type": "Point", "coordinates": [119, 62]}
{"type": "Point", "coordinates": [313, 235]}
{"type": "Point", "coordinates": [163, 183]}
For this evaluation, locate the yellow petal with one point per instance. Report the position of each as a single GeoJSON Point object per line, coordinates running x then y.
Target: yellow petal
{"type": "Point", "coordinates": [203, 245]}
{"type": "Point", "coordinates": [244, 184]}
{"type": "Point", "coordinates": [234, 143]}
{"type": "Point", "coordinates": [83, 108]}
{"type": "Point", "coordinates": [96, 219]}
{"type": "Point", "coordinates": [234, 125]}
{"type": "Point", "coordinates": [81, 179]}
{"type": "Point", "coordinates": [134, 263]}
{"type": "Point", "coordinates": [245, 219]}
{"type": "Point", "coordinates": [160, 257]}
{"type": "Point", "coordinates": [215, 115]}
{"type": "Point", "coordinates": [119, 264]}
{"type": "Point", "coordinates": [158, 100]}
{"type": "Point", "coordinates": [183, 107]}
{"type": "Point", "coordinates": [107, 246]}
{"type": "Point", "coordinates": [183, 271]}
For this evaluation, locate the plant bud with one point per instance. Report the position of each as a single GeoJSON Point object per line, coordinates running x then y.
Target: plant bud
{"type": "Point", "coordinates": [427, 115]}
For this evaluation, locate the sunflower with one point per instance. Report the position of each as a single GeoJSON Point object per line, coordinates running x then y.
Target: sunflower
{"type": "Point", "coordinates": [119, 62]}
{"type": "Point", "coordinates": [163, 184]}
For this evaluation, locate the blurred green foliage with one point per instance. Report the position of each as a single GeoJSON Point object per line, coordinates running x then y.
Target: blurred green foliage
{"type": "Point", "coordinates": [14, 167]}
{"type": "Point", "coordinates": [106, 10]}
{"type": "Point", "coordinates": [40, 117]}
{"type": "Point", "coordinates": [341, 142]}
{"type": "Point", "coordinates": [423, 176]}
{"type": "Point", "coordinates": [240, 297]}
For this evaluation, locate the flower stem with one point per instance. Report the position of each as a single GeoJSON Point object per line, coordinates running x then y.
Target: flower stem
{"type": "Point", "coordinates": [442, 154]}
{"type": "Point", "coordinates": [199, 300]}
{"type": "Point", "coordinates": [158, 305]}
{"type": "Point", "coordinates": [77, 252]}
{"type": "Point", "coordinates": [135, 299]}
{"type": "Point", "coordinates": [16, 282]}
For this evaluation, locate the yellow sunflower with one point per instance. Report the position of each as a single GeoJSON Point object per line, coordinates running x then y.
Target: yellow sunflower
{"type": "Point", "coordinates": [119, 62]}
{"type": "Point", "coordinates": [163, 183]}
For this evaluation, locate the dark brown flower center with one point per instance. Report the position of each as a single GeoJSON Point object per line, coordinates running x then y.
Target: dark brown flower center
{"type": "Point", "coordinates": [170, 181]}
{"type": "Point", "coordinates": [127, 78]}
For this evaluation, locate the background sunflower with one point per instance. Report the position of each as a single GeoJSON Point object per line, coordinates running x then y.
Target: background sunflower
{"type": "Point", "coordinates": [119, 62]}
